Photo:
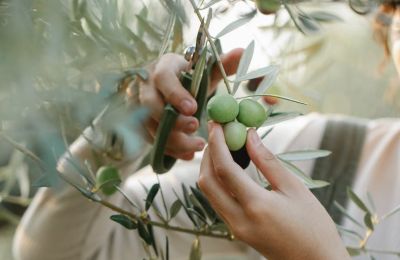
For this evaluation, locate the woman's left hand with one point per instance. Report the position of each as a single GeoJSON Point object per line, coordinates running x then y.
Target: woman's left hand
{"type": "Point", "coordinates": [285, 223]}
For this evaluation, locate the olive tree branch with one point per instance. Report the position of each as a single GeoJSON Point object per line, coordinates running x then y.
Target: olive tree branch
{"type": "Point", "coordinates": [214, 48]}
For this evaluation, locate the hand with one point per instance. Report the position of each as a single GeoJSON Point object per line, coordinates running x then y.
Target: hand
{"type": "Point", "coordinates": [285, 223]}
{"type": "Point", "coordinates": [163, 86]}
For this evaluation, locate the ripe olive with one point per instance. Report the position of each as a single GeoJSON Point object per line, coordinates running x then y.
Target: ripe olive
{"type": "Point", "coordinates": [241, 157]}
{"type": "Point", "coordinates": [268, 6]}
{"type": "Point", "coordinates": [222, 108]}
{"type": "Point", "coordinates": [235, 135]}
{"type": "Point", "coordinates": [251, 113]}
{"type": "Point", "coordinates": [106, 178]}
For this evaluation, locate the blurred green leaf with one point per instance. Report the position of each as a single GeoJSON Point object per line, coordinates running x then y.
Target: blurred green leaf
{"type": "Point", "coordinates": [368, 221]}
{"type": "Point", "coordinates": [244, 65]}
{"type": "Point", "coordinates": [310, 183]}
{"type": "Point", "coordinates": [175, 208]}
{"type": "Point", "coordinates": [236, 24]}
{"type": "Point", "coordinates": [322, 16]}
{"type": "Point", "coordinates": [354, 197]}
{"type": "Point", "coordinates": [195, 251]}
{"type": "Point", "coordinates": [353, 251]}
{"type": "Point", "coordinates": [144, 234]}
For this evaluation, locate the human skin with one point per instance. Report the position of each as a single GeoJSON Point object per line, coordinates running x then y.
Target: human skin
{"type": "Point", "coordinates": [163, 86]}
{"type": "Point", "coordinates": [285, 223]}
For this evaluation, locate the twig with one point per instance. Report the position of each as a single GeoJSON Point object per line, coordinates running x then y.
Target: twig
{"type": "Point", "coordinates": [214, 48]}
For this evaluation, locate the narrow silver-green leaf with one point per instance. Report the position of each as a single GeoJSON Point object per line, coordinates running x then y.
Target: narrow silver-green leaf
{"type": "Point", "coordinates": [198, 74]}
{"type": "Point", "coordinates": [261, 72]}
{"type": "Point", "coordinates": [322, 16]}
{"type": "Point", "coordinates": [357, 200]}
{"type": "Point", "coordinates": [392, 212]}
{"type": "Point", "coordinates": [310, 183]}
{"type": "Point", "coordinates": [209, 4]}
{"type": "Point", "coordinates": [368, 221]}
{"type": "Point", "coordinates": [236, 24]}
{"type": "Point", "coordinates": [281, 118]}
{"type": "Point", "coordinates": [244, 64]}
{"type": "Point", "coordinates": [266, 83]}
{"type": "Point", "coordinates": [167, 35]}
{"type": "Point", "coordinates": [344, 212]}
{"type": "Point", "coordinates": [303, 155]}
{"type": "Point", "coordinates": [353, 251]}
{"type": "Point", "coordinates": [195, 252]}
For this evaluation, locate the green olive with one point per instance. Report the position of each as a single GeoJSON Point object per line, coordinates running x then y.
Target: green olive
{"type": "Point", "coordinates": [235, 135]}
{"type": "Point", "coordinates": [106, 179]}
{"type": "Point", "coordinates": [251, 113]}
{"type": "Point", "coordinates": [268, 6]}
{"type": "Point", "coordinates": [222, 108]}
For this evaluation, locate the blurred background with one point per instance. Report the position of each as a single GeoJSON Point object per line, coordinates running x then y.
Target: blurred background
{"type": "Point", "coordinates": [56, 73]}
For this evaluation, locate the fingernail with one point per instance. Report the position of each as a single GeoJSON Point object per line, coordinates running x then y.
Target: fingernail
{"type": "Point", "coordinates": [255, 138]}
{"type": "Point", "coordinates": [200, 146]}
{"type": "Point", "coordinates": [187, 106]}
{"type": "Point", "coordinates": [192, 126]}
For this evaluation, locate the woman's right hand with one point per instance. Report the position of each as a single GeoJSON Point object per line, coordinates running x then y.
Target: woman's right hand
{"type": "Point", "coordinates": [285, 223]}
{"type": "Point", "coordinates": [164, 86]}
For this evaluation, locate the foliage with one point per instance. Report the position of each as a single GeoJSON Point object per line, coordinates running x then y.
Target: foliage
{"type": "Point", "coordinates": [62, 62]}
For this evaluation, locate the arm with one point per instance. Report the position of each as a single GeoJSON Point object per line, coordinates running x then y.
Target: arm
{"type": "Point", "coordinates": [62, 224]}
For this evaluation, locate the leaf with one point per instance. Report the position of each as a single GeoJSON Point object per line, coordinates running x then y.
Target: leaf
{"type": "Point", "coordinates": [261, 72]}
{"type": "Point", "coordinates": [392, 212]}
{"type": "Point", "coordinates": [198, 74]}
{"type": "Point", "coordinates": [303, 155]}
{"type": "Point", "coordinates": [144, 234]}
{"type": "Point", "coordinates": [264, 135]}
{"type": "Point", "coordinates": [310, 183]}
{"type": "Point", "coordinates": [368, 221]}
{"type": "Point", "coordinates": [309, 24]}
{"type": "Point", "coordinates": [195, 252]}
{"type": "Point", "coordinates": [124, 221]}
{"type": "Point", "coordinates": [357, 201]}
{"type": "Point", "coordinates": [236, 24]}
{"type": "Point", "coordinates": [266, 83]}
{"type": "Point", "coordinates": [244, 64]}
{"type": "Point", "coordinates": [151, 28]}
{"type": "Point", "coordinates": [204, 203]}
{"type": "Point", "coordinates": [153, 240]}
{"type": "Point", "coordinates": [209, 4]}
{"type": "Point", "coordinates": [349, 232]}
{"type": "Point", "coordinates": [353, 251]}
{"type": "Point", "coordinates": [278, 119]}
{"type": "Point", "coordinates": [175, 208]}
{"type": "Point", "coordinates": [344, 212]}
{"type": "Point", "coordinates": [167, 35]}
{"type": "Point", "coordinates": [322, 16]}
{"type": "Point", "coordinates": [151, 195]}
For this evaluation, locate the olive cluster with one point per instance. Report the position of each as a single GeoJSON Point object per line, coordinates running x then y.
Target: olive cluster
{"type": "Point", "coordinates": [236, 117]}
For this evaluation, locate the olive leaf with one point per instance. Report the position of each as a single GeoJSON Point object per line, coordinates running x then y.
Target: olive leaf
{"type": "Point", "coordinates": [153, 240]}
{"type": "Point", "coordinates": [175, 208]}
{"type": "Point", "coordinates": [278, 118]}
{"type": "Point", "coordinates": [144, 234]}
{"type": "Point", "coordinates": [236, 24]}
{"type": "Point", "coordinates": [392, 212]}
{"type": "Point", "coordinates": [150, 27]}
{"type": "Point", "coordinates": [167, 35]}
{"type": "Point", "coordinates": [353, 251]}
{"type": "Point", "coordinates": [354, 197]}
{"type": "Point", "coordinates": [368, 221]}
{"type": "Point", "coordinates": [244, 65]}
{"type": "Point", "coordinates": [310, 183]}
{"type": "Point", "coordinates": [151, 195]}
{"type": "Point", "coordinates": [269, 78]}
{"type": "Point", "coordinates": [353, 233]}
{"type": "Point", "coordinates": [198, 74]}
{"type": "Point", "coordinates": [346, 214]}
{"type": "Point", "coordinates": [309, 24]}
{"type": "Point", "coordinates": [261, 72]}
{"type": "Point", "coordinates": [124, 221]}
{"type": "Point", "coordinates": [204, 203]}
{"type": "Point", "coordinates": [322, 16]}
{"type": "Point", "coordinates": [209, 4]}
{"type": "Point", "coordinates": [195, 252]}
{"type": "Point", "coordinates": [303, 155]}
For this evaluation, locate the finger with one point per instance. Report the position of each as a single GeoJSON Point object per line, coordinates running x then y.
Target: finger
{"type": "Point", "coordinates": [225, 205]}
{"type": "Point", "coordinates": [178, 142]}
{"type": "Point", "coordinates": [186, 124]}
{"type": "Point", "coordinates": [149, 97]}
{"type": "Point", "coordinates": [166, 78]}
{"type": "Point", "coordinates": [270, 167]}
{"type": "Point", "coordinates": [230, 173]}
{"type": "Point", "coordinates": [230, 62]}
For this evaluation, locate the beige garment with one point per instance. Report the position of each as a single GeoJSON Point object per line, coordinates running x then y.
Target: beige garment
{"type": "Point", "coordinates": [64, 225]}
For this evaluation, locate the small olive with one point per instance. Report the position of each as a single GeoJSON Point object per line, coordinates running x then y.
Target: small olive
{"type": "Point", "coordinates": [235, 135]}
{"type": "Point", "coordinates": [106, 178]}
{"type": "Point", "coordinates": [251, 113]}
{"type": "Point", "coordinates": [268, 6]}
{"type": "Point", "coordinates": [222, 108]}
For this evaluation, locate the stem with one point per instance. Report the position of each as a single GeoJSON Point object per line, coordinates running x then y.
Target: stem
{"type": "Point", "coordinates": [165, 225]}
{"type": "Point", "coordinates": [214, 49]}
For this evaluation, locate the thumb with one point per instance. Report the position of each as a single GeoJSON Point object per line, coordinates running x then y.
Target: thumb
{"type": "Point", "coordinates": [230, 62]}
